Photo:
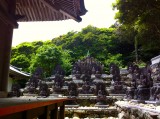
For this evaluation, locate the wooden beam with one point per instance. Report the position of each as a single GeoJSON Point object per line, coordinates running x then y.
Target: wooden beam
{"type": "Point", "coordinates": [50, 5]}
{"type": "Point", "coordinates": [8, 18]}
{"type": "Point", "coordinates": [78, 19]}
{"type": "Point", "coordinates": [57, 8]}
{"type": "Point", "coordinates": [11, 12]}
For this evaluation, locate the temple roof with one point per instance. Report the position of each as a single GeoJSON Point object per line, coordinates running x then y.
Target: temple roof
{"type": "Point", "coordinates": [14, 71]}
{"type": "Point", "coordinates": [49, 10]}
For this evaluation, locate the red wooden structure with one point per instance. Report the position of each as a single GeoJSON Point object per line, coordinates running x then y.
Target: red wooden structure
{"type": "Point", "coordinates": [29, 108]}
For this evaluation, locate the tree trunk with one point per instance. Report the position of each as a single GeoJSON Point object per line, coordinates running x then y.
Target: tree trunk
{"type": "Point", "coordinates": [136, 48]}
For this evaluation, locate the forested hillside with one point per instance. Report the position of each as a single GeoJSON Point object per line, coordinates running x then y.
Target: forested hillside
{"type": "Point", "coordinates": [104, 44]}
{"type": "Point", "coordinates": [135, 37]}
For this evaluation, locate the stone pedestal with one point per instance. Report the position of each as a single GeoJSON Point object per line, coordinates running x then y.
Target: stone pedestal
{"type": "Point", "coordinates": [142, 93]}
{"type": "Point", "coordinates": [117, 88]}
{"type": "Point", "coordinates": [157, 103]}
{"type": "Point", "coordinates": [71, 103]}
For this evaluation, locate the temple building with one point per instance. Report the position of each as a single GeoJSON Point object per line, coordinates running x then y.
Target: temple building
{"type": "Point", "coordinates": [16, 74]}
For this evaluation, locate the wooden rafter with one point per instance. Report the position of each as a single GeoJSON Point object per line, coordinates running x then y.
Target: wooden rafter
{"type": "Point", "coordinates": [48, 10]}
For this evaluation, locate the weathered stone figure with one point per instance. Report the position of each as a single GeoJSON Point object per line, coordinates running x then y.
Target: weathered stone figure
{"type": "Point", "coordinates": [155, 90]}
{"type": "Point", "coordinates": [32, 84]}
{"type": "Point", "coordinates": [143, 84]}
{"type": "Point", "coordinates": [15, 91]}
{"type": "Point", "coordinates": [72, 90]}
{"type": "Point", "coordinates": [58, 82]}
{"type": "Point", "coordinates": [86, 88]}
{"type": "Point", "coordinates": [101, 93]}
{"type": "Point", "coordinates": [58, 75]}
{"type": "Point", "coordinates": [131, 89]}
{"type": "Point", "coordinates": [44, 91]}
{"type": "Point", "coordinates": [116, 84]}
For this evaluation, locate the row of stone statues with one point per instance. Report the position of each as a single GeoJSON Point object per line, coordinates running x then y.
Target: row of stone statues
{"type": "Point", "coordinates": [143, 86]}
{"type": "Point", "coordinates": [86, 78]}
{"type": "Point", "coordinates": [82, 80]}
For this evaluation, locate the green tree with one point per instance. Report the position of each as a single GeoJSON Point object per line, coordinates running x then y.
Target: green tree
{"type": "Point", "coordinates": [21, 61]}
{"type": "Point", "coordinates": [141, 19]}
{"type": "Point", "coordinates": [100, 42]}
{"type": "Point", "coordinates": [48, 57]}
{"type": "Point", "coordinates": [22, 54]}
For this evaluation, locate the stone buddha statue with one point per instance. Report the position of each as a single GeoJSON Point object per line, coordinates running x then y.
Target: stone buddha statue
{"type": "Point", "coordinates": [72, 90]}
{"type": "Point", "coordinates": [44, 91]}
{"type": "Point", "coordinates": [101, 93]}
{"type": "Point", "coordinates": [15, 91]}
{"type": "Point", "coordinates": [143, 83]}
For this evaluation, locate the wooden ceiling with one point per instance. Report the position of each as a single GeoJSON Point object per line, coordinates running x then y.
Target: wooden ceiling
{"type": "Point", "coordinates": [49, 10]}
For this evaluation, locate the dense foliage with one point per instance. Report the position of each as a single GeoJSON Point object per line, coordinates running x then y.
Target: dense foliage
{"type": "Point", "coordinates": [101, 43]}
{"type": "Point", "coordinates": [139, 22]}
{"type": "Point", "coordinates": [120, 44]}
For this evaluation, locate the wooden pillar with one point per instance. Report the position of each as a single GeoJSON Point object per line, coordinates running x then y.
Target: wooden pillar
{"type": "Point", "coordinates": [7, 24]}
{"type": "Point", "coordinates": [62, 111]}
{"type": "Point", "coordinates": [45, 114]}
{"type": "Point", "coordinates": [5, 48]}
{"type": "Point", "coordinates": [54, 112]}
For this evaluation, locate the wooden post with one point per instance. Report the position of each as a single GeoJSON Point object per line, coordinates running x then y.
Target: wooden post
{"type": "Point", "coordinates": [54, 112]}
{"type": "Point", "coordinates": [62, 111]}
{"type": "Point", "coordinates": [7, 24]}
{"type": "Point", "coordinates": [45, 114]}
{"type": "Point", "coordinates": [5, 48]}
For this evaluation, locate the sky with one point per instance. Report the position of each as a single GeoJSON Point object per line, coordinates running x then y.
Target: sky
{"type": "Point", "coordinates": [100, 14]}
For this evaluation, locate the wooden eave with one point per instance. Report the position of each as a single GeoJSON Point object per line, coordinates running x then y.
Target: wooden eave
{"type": "Point", "coordinates": [7, 13]}
{"type": "Point", "coordinates": [18, 74]}
{"type": "Point", "coordinates": [49, 10]}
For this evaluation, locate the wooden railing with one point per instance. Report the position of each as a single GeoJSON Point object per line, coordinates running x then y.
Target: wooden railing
{"type": "Point", "coordinates": [29, 108]}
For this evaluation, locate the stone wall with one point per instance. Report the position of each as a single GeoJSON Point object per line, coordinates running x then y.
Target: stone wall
{"type": "Point", "coordinates": [130, 110]}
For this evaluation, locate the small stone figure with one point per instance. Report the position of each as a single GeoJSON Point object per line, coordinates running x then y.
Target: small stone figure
{"type": "Point", "coordinates": [44, 91]}
{"type": "Point", "coordinates": [76, 69]}
{"type": "Point", "coordinates": [155, 92]}
{"type": "Point", "coordinates": [72, 90]}
{"type": "Point", "coordinates": [78, 75]}
{"type": "Point", "coordinates": [15, 91]}
{"type": "Point", "coordinates": [143, 84]}
{"type": "Point", "coordinates": [38, 74]}
{"type": "Point", "coordinates": [58, 79]}
{"type": "Point", "coordinates": [130, 92]}
{"type": "Point", "coordinates": [134, 73]}
{"type": "Point", "coordinates": [98, 78]}
{"type": "Point", "coordinates": [59, 71]}
{"type": "Point", "coordinates": [155, 89]}
{"type": "Point", "coordinates": [77, 79]}
{"type": "Point", "coordinates": [32, 84]}
{"type": "Point", "coordinates": [86, 76]}
{"type": "Point", "coordinates": [58, 82]}
{"type": "Point", "coordinates": [101, 93]}
{"type": "Point", "coordinates": [116, 84]}
{"type": "Point", "coordinates": [86, 88]}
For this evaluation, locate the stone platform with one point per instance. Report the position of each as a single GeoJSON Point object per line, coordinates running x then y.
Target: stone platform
{"type": "Point", "coordinates": [132, 110]}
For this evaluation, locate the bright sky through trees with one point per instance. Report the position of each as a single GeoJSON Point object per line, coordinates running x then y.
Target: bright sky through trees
{"type": "Point", "coordinates": [100, 14]}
